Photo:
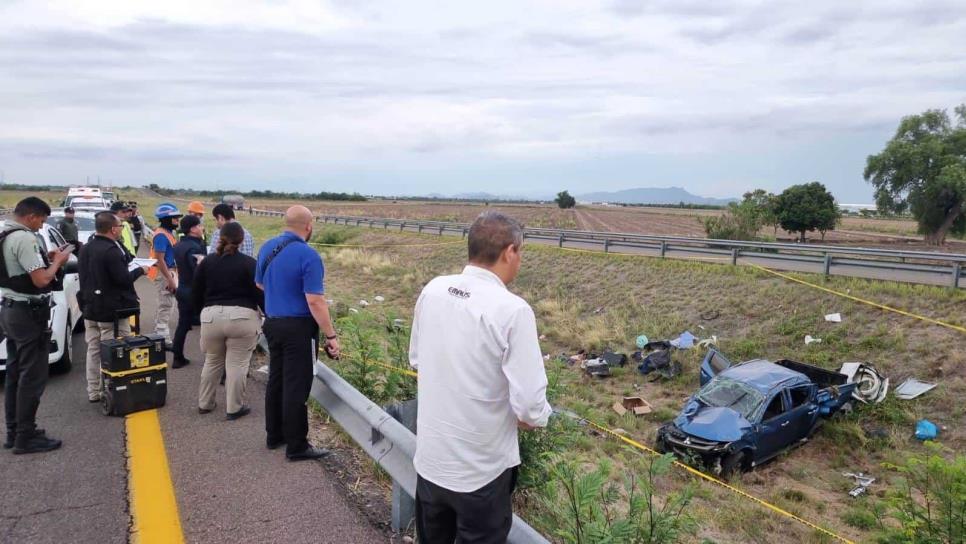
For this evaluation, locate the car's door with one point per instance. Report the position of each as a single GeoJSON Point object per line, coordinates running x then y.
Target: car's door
{"type": "Point", "coordinates": [775, 431]}
{"type": "Point", "coordinates": [802, 411]}
{"type": "Point", "coordinates": [714, 363]}
{"type": "Point", "coordinates": [55, 239]}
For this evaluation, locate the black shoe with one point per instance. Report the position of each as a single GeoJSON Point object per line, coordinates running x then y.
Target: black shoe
{"type": "Point", "coordinates": [12, 437]}
{"type": "Point", "coordinates": [308, 454]}
{"type": "Point", "coordinates": [205, 410]}
{"type": "Point", "coordinates": [273, 444]}
{"type": "Point", "coordinates": [242, 412]}
{"type": "Point", "coordinates": [178, 363]}
{"type": "Point", "coordinates": [38, 443]}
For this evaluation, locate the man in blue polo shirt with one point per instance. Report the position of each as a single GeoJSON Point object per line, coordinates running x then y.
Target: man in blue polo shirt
{"type": "Point", "coordinates": [290, 272]}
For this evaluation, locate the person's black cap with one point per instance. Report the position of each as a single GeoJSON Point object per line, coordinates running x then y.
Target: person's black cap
{"type": "Point", "coordinates": [189, 222]}
{"type": "Point", "coordinates": [118, 206]}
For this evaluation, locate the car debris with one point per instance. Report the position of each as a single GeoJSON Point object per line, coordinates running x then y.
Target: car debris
{"type": "Point", "coordinates": [809, 339]}
{"type": "Point", "coordinates": [637, 405]}
{"type": "Point", "coordinates": [746, 414]}
{"type": "Point", "coordinates": [685, 341]}
{"type": "Point", "coordinates": [363, 303]}
{"type": "Point", "coordinates": [708, 343]}
{"type": "Point", "coordinates": [710, 315]}
{"type": "Point", "coordinates": [912, 388]}
{"type": "Point", "coordinates": [656, 357]}
{"type": "Point", "coordinates": [926, 430]}
{"type": "Point", "coordinates": [618, 359]}
{"type": "Point", "coordinates": [833, 318]}
{"type": "Point", "coordinates": [862, 482]}
{"type": "Point", "coordinates": [870, 385]}
{"type": "Point", "coordinates": [596, 367]}
{"type": "Point", "coordinates": [379, 298]}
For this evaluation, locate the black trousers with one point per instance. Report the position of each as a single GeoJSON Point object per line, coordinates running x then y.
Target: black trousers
{"type": "Point", "coordinates": [292, 345]}
{"type": "Point", "coordinates": [483, 516]}
{"type": "Point", "coordinates": [28, 341]}
{"type": "Point", "coordinates": [187, 318]}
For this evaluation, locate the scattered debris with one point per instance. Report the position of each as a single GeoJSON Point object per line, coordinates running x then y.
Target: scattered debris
{"type": "Point", "coordinates": [685, 341]}
{"type": "Point", "coordinates": [379, 298]}
{"type": "Point", "coordinates": [912, 388]}
{"type": "Point", "coordinates": [542, 337]}
{"type": "Point", "coordinates": [612, 358]}
{"type": "Point", "coordinates": [546, 357]}
{"type": "Point", "coordinates": [398, 324]}
{"type": "Point", "coordinates": [657, 360]}
{"type": "Point", "coordinates": [363, 303]}
{"type": "Point", "coordinates": [641, 341]}
{"type": "Point", "coordinates": [353, 311]}
{"type": "Point", "coordinates": [870, 385]}
{"type": "Point", "coordinates": [809, 339]}
{"type": "Point", "coordinates": [599, 310]}
{"type": "Point", "coordinates": [875, 433]}
{"type": "Point", "coordinates": [596, 367]}
{"type": "Point", "coordinates": [620, 431]}
{"type": "Point", "coordinates": [833, 318]}
{"type": "Point", "coordinates": [926, 430]}
{"type": "Point", "coordinates": [862, 482]}
{"type": "Point", "coordinates": [637, 405]}
{"type": "Point", "coordinates": [709, 342]}
{"type": "Point", "coordinates": [710, 315]}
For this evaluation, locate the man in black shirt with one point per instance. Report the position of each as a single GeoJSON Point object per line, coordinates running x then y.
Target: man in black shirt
{"type": "Point", "coordinates": [106, 293]}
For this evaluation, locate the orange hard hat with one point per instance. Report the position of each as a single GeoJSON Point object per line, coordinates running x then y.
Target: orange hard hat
{"type": "Point", "coordinates": [196, 207]}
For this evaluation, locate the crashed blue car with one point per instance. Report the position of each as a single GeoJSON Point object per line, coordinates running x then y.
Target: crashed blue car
{"type": "Point", "coordinates": [746, 414]}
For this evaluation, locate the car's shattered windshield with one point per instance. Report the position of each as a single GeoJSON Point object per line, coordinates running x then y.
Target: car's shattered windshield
{"type": "Point", "coordinates": [726, 393]}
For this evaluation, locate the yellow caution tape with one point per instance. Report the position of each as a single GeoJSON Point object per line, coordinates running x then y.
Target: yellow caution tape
{"type": "Point", "coordinates": [639, 446]}
{"type": "Point", "coordinates": [864, 301]}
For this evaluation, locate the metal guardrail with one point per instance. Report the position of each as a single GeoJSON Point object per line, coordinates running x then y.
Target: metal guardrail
{"type": "Point", "coordinates": [389, 443]}
{"type": "Point", "coordinates": [944, 264]}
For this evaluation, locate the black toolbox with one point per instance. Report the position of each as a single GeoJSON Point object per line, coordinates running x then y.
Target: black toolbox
{"type": "Point", "coordinates": [134, 372]}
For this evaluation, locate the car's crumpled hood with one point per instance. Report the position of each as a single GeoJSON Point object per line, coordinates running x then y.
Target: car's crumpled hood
{"type": "Point", "coordinates": [712, 423]}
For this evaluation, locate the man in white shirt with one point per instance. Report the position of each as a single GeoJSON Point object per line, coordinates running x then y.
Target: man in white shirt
{"type": "Point", "coordinates": [481, 376]}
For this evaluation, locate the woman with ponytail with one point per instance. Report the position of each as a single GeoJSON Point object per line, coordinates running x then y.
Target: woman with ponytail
{"type": "Point", "coordinates": [224, 288]}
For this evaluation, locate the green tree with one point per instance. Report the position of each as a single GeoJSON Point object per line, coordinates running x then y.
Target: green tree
{"type": "Point", "coordinates": [564, 200]}
{"type": "Point", "coordinates": [923, 169]}
{"type": "Point", "coordinates": [742, 220]}
{"type": "Point", "coordinates": [807, 207]}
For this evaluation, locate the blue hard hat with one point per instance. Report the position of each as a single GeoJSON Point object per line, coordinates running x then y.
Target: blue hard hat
{"type": "Point", "coordinates": [167, 210]}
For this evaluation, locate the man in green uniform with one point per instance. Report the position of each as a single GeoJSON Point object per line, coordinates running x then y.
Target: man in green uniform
{"type": "Point", "coordinates": [27, 277]}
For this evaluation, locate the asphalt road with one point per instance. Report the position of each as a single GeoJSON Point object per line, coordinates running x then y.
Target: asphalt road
{"type": "Point", "coordinates": [229, 487]}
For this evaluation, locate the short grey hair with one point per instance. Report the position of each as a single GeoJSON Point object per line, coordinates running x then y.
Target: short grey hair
{"type": "Point", "coordinates": [490, 234]}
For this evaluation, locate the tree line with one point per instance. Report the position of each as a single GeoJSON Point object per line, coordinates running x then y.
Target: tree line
{"type": "Point", "coordinates": [268, 194]}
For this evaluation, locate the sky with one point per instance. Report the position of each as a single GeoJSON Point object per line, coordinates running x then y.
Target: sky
{"type": "Point", "coordinates": [517, 98]}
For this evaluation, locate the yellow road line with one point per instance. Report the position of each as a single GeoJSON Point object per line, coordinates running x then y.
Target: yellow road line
{"type": "Point", "coordinates": [863, 301]}
{"type": "Point", "coordinates": [154, 509]}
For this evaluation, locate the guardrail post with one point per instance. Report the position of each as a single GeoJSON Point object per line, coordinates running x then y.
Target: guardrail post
{"type": "Point", "coordinates": [420, 228]}
{"type": "Point", "coordinates": [385, 225]}
{"type": "Point", "coordinates": [957, 271]}
{"type": "Point", "coordinates": [663, 248]}
{"type": "Point", "coordinates": [560, 240]}
{"type": "Point", "coordinates": [465, 232]}
{"type": "Point", "coordinates": [607, 245]}
{"type": "Point", "coordinates": [403, 506]}
{"type": "Point", "coordinates": [734, 255]}
{"type": "Point", "coordinates": [402, 226]}
{"type": "Point", "coordinates": [441, 231]}
{"type": "Point", "coordinates": [828, 264]}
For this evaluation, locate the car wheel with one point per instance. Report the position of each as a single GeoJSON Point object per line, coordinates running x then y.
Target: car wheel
{"type": "Point", "coordinates": [733, 463]}
{"type": "Point", "coordinates": [62, 366]}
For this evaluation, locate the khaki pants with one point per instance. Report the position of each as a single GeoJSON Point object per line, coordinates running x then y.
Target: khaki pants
{"type": "Point", "coordinates": [228, 336]}
{"type": "Point", "coordinates": [165, 304]}
{"type": "Point", "coordinates": [94, 333]}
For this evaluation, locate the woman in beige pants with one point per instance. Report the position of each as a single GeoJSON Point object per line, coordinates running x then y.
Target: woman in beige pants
{"type": "Point", "coordinates": [224, 288]}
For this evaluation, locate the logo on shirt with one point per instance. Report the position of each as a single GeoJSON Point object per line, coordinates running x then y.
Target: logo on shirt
{"type": "Point", "coordinates": [459, 292]}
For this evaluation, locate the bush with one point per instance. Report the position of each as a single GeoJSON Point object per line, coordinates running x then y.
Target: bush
{"type": "Point", "coordinates": [930, 500]}
{"type": "Point", "coordinates": [583, 508]}
{"type": "Point", "coordinates": [564, 200]}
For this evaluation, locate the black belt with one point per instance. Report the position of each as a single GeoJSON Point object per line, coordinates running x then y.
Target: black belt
{"type": "Point", "coordinates": [11, 303]}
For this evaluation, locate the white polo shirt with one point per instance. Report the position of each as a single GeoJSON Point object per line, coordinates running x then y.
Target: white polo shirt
{"type": "Point", "coordinates": [475, 346]}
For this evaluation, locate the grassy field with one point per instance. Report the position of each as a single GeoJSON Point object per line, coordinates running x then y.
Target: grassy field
{"type": "Point", "coordinates": [595, 301]}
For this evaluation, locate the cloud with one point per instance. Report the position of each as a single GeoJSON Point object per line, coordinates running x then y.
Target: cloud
{"type": "Point", "coordinates": [253, 85]}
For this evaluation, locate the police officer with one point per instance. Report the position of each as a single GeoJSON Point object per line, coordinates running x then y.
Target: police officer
{"type": "Point", "coordinates": [291, 272]}
{"type": "Point", "coordinates": [123, 211]}
{"type": "Point", "coordinates": [27, 276]}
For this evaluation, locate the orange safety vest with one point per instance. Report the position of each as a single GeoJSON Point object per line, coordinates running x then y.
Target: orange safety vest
{"type": "Point", "coordinates": [153, 271]}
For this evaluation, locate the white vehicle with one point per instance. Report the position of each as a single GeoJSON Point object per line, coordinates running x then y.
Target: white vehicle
{"type": "Point", "coordinates": [64, 316]}
{"type": "Point", "coordinates": [84, 220]}
{"type": "Point", "coordinates": [82, 192]}
{"type": "Point", "coordinates": [97, 204]}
